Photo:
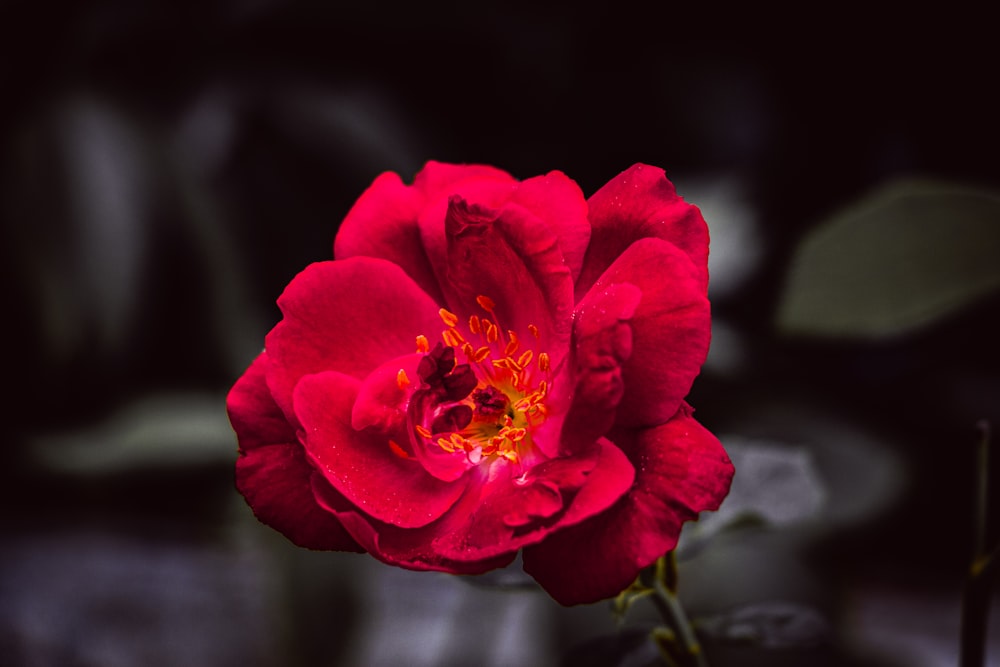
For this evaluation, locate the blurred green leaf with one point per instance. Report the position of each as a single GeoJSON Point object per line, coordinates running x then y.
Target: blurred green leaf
{"type": "Point", "coordinates": [908, 255]}
{"type": "Point", "coordinates": [162, 430]}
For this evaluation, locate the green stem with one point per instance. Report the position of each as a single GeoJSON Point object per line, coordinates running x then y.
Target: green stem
{"type": "Point", "coordinates": [665, 599]}
{"type": "Point", "coordinates": [982, 571]}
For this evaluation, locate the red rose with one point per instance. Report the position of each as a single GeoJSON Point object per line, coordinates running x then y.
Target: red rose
{"type": "Point", "coordinates": [486, 366]}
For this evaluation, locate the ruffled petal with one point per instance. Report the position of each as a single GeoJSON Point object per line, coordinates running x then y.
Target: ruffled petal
{"type": "Point", "coordinates": [671, 330]}
{"type": "Point", "coordinates": [349, 316]}
{"type": "Point", "coordinates": [384, 395]}
{"type": "Point", "coordinates": [602, 343]}
{"type": "Point", "coordinates": [254, 415]}
{"type": "Point", "coordinates": [272, 472]}
{"type": "Point", "coordinates": [363, 465]}
{"type": "Point", "coordinates": [513, 259]}
{"type": "Point", "coordinates": [502, 513]}
{"type": "Point", "coordinates": [681, 470]}
{"type": "Point", "coordinates": [558, 201]}
{"type": "Point", "coordinates": [383, 224]}
{"type": "Point", "coordinates": [638, 203]}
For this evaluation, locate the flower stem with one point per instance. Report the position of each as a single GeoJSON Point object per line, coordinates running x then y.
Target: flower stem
{"type": "Point", "coordinates": [982, 571]}
{"type": "Point", "coordinates": [665, 598]}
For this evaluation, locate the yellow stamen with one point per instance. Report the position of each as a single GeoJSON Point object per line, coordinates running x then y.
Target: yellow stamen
{"type": "Point", "coordinates": [491, 332]}
{"type": "Point", "coordinates": [486, 303]}
{"type": "Point", "coordinates": [512, 345]}
{"type": "Point", "coordinates": [525, 358]}
{"type": "Point", "coordinates": [452, 338]}
{"type": "Point", "coordinates": [402, 381]}
{"type": "Point", "coordinates": [422, 432]}
{"type": "Point", "coordinates": [481, 354]}
{"type": "Point", "coordinates": [423, 346]}
{"type": "Point", "coordinates": [533, 330]}
{"type": "Point", "coordinates": [543, 362]}
{"type": "Point", "coordinates": [448, 317]}
{"type": "Point", "coordinates": [473, 324]}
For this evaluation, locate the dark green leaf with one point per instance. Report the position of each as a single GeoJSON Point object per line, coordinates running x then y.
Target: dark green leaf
{"type": "Point", "coordinates": [906, 256]}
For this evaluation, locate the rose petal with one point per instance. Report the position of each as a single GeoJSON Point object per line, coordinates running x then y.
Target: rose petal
{"type": "Point", "coordinates": [681, 470]}
{"type": "Point", "coordinates": [272, 472]}
{"type": "Point", "coordinates": [349, 316]}
{"type": "Point", "coordinates": [362, 464]}
{"type": "Point", "coordinates": [383, 224]}
{"type": "Point", "coordinates": [602, 342]}
{"type": "Point", "coordinates": [671, 330]}
{"type": "Point", "coordinates": [517, 264]}
{"type": "Point", "coordinates": [558, 201]}
{"type": "Point", "coordinates": [496, 517]}
{"type": "Point", "coordinates": [638, 203]}
{"type": "Point", "coordinates": [383, 396]}
{"type": "Point", "coordinates": [255, 416]}
{"type": "Point", "coordinates": [363, 529]}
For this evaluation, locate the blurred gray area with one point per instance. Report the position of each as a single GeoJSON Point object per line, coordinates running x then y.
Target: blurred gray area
{"type": "Point", "coordinates": [167, 168]}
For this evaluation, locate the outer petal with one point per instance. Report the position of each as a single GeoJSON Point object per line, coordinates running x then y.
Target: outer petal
{"type": "Point", "coordinates": [681, 470]}
{"type": "Point", "coordinates": [362, 464]}
{"type": "Point", "coordinates": [272, 472]}
{"type": "Point", "coordinates": [638, 203]}
{"type": "Point", "coordinates": [502, 514]}
{"type": "Point", "coordinates": [558, 201]}
{"type": "Point", "coordinates": [349, 316]}
{"type": "Point", "coordinates": [671, 330]}
{"type": "Point", "coordinates": [384, 221]}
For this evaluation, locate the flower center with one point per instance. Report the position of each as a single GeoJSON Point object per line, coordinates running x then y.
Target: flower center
{"type": "Point", "coordinates": [488, 407]}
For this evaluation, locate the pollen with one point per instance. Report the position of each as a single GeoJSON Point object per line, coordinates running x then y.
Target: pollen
{"type": "Point", "coordinates": [423, 346]}
{"type": "Point", "coordinates": [402, 381]}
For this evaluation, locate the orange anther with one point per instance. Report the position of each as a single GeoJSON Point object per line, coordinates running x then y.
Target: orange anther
{"type": "Point", "coordinates": [423, 347]}
{"type": "Point", "coordinates": [402, 381]}
{"type": "Point", "coordinates": [491, 332]}
{"type": "Point", "coordinates": [448, 317]}
{"type": "Point", "coordinates": [468, 351]}
{"type": "Point", "coordinates": [543, 362]}
{"type": "Point", "coordinates": [525, 358]}
{"type": "Point", "coordinates": [397, 450]}
{"type": "Point", "coordinates": [473, 324]}
{"type": "Point", "coordinates": [422, 432]}
{"type": "Point", "coordinates": [452, 338]}
{"type": "Point", "coordinates": [486, 303]}
{"type": "Point", "coordinates": [512, 345]}
{"type": "Point", "coordinates": [533, 330]}
{"type": "Point", "coordinates": [481, 354]}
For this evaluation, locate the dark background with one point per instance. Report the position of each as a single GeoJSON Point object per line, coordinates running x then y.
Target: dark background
{"type": "Point", "coordinates": [168, 167]}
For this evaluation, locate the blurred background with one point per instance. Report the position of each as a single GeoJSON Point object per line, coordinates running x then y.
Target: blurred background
{"type": "Point", "coordinates": [167, 168]}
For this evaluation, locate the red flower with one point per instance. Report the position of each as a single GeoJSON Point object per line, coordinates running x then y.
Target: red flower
{"type": "Point", "coordinates": [488, 366]}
